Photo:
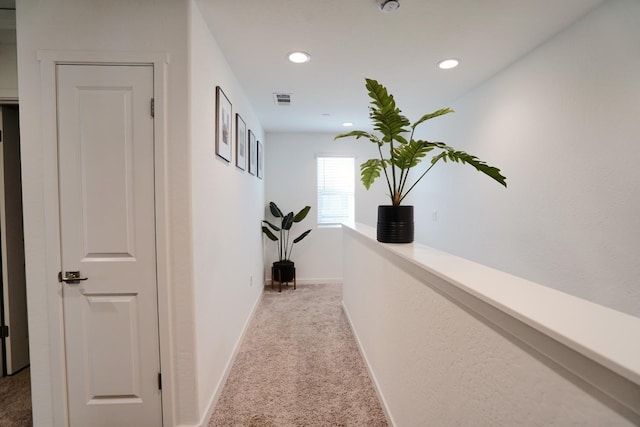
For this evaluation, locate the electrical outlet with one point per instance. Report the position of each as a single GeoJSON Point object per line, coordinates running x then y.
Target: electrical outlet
{"type": "Point", "coordinates": [251, 280]}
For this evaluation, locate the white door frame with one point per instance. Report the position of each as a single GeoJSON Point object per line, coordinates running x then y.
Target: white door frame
{"type": "Point", "coordinates": [48, 61]}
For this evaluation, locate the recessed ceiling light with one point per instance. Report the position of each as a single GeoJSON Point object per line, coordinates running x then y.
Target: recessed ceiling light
{"type": "Point", "coordinates": [347, 124]}
{"type": "Point", "coordinates": [299, 57]}
{"type": "Point", "coordinates": [448, 63]}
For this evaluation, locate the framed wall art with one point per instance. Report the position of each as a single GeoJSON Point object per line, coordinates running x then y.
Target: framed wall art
{"type": "Point", "coordinates": [241, 143]}
{"type": "Point", "coordinates": [253, 153]}
{"type": "Point", "coordinates": [223, 125]}
{"type": "Point", "coordinates": [260, 158]}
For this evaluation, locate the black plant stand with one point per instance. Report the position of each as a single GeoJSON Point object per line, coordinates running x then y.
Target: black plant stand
{"type": "Point", "coordinates": [279, 279]}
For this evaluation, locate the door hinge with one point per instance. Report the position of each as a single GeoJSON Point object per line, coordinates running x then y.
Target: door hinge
{"type": "Point", "coordinates": [153, 107]}
{"type": "Point", "coordinates": [159, 381]}
{"type": "Point", "coordinates": [4, 331]}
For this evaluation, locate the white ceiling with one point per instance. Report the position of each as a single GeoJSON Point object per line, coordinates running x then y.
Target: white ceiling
{"type": "Point", "coordinates": [351, 39]}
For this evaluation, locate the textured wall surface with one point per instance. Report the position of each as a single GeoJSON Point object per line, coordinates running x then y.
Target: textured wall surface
{"type": "Point", "coordinates": [227, 207]}
{"type": "Point", "coordinates": [553, 122]}
{"type": "Point", "coordinates": [436, 362]}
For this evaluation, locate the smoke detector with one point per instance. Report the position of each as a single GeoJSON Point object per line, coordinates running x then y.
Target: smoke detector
{"type": "Point", "coordinates": [388, 5]}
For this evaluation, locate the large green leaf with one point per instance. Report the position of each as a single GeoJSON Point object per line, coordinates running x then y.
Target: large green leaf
{"type": "Point", "coordinates": [370, 170]}
{"type": "Point", "coordinates": [386, 117]}
{"type": "Point", "coordinates": [302, 236]}
{"type": "Point", "coordinates": [302, 214]}
{"type": "Point", "coordinates": [275, 210]}
{"type": "Point", "coordinates": [273, 226]}
{"type": "Point", "coordinates": [440, 156]}
{"type": "Point", "coordinates": [287, 221]}
{"type": "Point", "coordinates": [269, 234]}
{"type": "Point", "coordinates": [409, 155]}
{"type": "Point", "coordinates": [380, 97]}
{"type": "Point", "coordinates": [481, 166]}
{"type": "Point", "coordinates": [390, 124]}
{"type": "Point", "coordinates": [463, 157]}
{"type": "Point", "coordinates": [359, 134]}
{"type": "Point", "coordinates": [431, 116]}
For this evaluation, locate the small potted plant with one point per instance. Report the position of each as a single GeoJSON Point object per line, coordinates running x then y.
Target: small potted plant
{"type": "Point", "coordinates": [284, 268]}
{"type": "Point", "coordinates": [403, 152]}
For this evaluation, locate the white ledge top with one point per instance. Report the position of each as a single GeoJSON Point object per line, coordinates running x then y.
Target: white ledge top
{"type": "Point", "coordinates": [602, 334]}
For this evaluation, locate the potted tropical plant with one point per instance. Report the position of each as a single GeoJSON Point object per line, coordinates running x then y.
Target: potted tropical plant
{"type": "Point", "coordinates": [403, 152]}
{"type": "Point", "coordinates": [284, 268]}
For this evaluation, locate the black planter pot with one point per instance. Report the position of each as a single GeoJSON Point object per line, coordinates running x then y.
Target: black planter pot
{"type": "Point", "coordinates": [284, 271]}
{"type": "Point", "coordinates": [395, 224]}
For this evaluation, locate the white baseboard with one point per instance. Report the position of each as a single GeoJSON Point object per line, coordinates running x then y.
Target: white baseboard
{"type": "Point", "coordinates": [372, 375]}
{"type": "Point", "coordinates": [227, 370]}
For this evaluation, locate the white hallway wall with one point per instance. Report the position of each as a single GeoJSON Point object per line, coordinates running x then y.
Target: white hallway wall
{"type": "Point", "coordinates": [562, 125]}
{"type": "Point", "coordinates": [227, 206]}
{"type": "Point", "coordinates": [291, 182]}
{"type": "Point", "coordinates": [438, 336]}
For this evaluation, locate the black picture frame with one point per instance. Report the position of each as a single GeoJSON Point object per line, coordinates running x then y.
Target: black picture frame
{"type": "Point", "coordinates": [223, 125]}
{"type": "Point", "coordinates": [253, 153]}
{"type": "Point", "coordinates": [260, 159]}
{"type": "Point", "coordinates": [241, 143]}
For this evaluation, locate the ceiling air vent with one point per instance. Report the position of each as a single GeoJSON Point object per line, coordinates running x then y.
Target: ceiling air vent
{"type": "Point", "coordinates": [282, 98]}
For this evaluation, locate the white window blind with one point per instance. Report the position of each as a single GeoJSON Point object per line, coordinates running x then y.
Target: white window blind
{"type": "Point", "coordinates": [336, 190]}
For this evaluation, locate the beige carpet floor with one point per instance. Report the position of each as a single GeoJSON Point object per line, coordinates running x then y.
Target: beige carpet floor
{"type": "Point", "coordinates": [299, 366]}
{"type": "Point", "coordinates": [15, 400]}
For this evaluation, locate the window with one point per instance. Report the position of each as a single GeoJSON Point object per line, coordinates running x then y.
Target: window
{"type": "Point", "coordinates": [335, 190]}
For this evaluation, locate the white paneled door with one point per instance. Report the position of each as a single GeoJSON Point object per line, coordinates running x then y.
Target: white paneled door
{"type": "Point", "coordinates": [107, 232]}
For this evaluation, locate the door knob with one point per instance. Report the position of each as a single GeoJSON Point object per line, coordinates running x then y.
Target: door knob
{"type": "Point", "coordinates": [70, 277]}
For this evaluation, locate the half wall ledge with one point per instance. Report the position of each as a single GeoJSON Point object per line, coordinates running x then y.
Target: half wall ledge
{"type": "Point", "coordinates": [598, 345]}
